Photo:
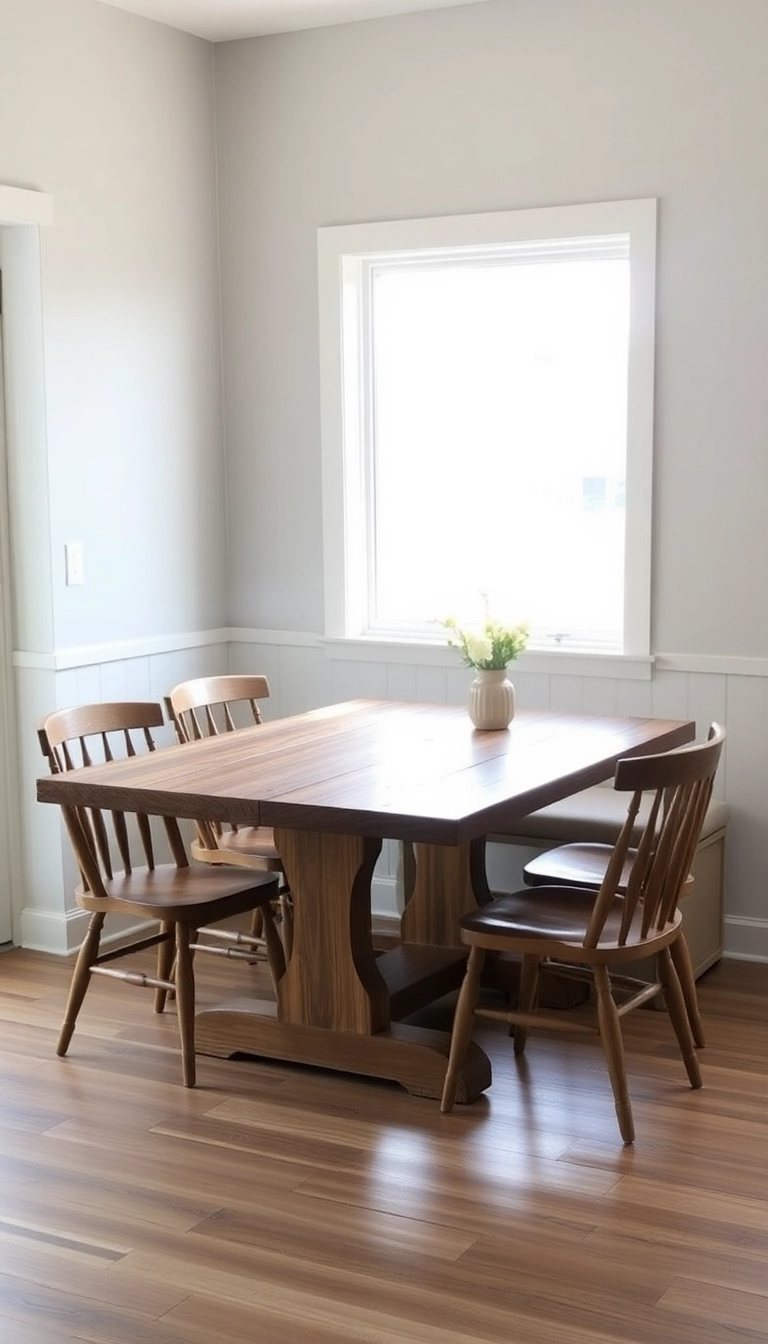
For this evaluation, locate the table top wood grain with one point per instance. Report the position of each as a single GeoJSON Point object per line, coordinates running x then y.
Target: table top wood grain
{"type": "Point", "coordinates": [417, 772]}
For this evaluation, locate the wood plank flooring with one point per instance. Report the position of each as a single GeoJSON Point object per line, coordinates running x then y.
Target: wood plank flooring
{"type": "Point", "coordinates": [281, 1205]}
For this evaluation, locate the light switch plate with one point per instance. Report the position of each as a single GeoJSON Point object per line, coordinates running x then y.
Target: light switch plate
{"type": "Point", "coordinates": [74, 562]}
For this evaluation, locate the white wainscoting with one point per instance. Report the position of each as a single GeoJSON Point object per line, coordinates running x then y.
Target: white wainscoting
{"type": "Point", "coordinates": [305, 672]}
{"type": "Point", "coordinates": [45, 916]}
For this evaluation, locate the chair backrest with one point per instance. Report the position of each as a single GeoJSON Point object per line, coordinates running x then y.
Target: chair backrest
{"type": "Point", "coordinates": [680, 783]}
{"type": "Point", "coordinates": [106, 842]}
{"type": "Point", "coordinates": [206, 706]}
{"type": "Point", "coordinates": [170, 715]}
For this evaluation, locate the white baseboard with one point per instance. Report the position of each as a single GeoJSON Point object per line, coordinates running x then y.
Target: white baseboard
{"type": "Point", "coordinates": [54, 931]}
{"type": "Point", "coordinates": [385, 903]}
{"type": "Point", "coordinates": [61, 933]}
{"type": "Point", "coordinates": [746, 939]}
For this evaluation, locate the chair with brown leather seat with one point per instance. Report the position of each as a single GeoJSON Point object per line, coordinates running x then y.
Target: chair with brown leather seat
{"type": "Point", "coordinates": [115, 853]}
{"type": "Point", "coordinates": [205, 707]}
{"type": "Point", "coordinates": [582, 864]}
{"type": "Point", "coordinates": [597, 934]}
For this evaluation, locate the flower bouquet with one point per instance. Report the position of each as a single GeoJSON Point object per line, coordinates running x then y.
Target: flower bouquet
{"type": "Point", "coordinates": [489, 647]}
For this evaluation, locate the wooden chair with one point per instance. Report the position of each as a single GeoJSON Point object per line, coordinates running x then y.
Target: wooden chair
{"type": "Point", "coordinates": [205, 707]}
{"type": "Point", "coordinates": [115, 854]}
{"type": "Point", "coordinates": [597, 934]}
{"type": "Point", "coordinates": [583, 864]}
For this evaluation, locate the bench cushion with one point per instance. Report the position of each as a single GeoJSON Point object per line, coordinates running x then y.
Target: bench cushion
{"type": "Point", "coordinates": [595, 814]}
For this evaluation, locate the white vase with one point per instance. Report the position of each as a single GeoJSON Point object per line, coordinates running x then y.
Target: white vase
{"type": "Point", "coordinates": [491, 699]}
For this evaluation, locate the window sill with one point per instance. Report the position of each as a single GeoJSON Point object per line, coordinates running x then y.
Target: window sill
{"type": "Point", "coordinates": [630, 667]}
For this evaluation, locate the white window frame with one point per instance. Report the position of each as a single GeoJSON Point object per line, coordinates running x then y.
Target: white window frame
{"type": "Point", "coordinates": [345, 254]}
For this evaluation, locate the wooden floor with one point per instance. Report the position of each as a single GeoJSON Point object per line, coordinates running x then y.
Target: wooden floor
{"type": "Point", "coordinates": [281, 1205]}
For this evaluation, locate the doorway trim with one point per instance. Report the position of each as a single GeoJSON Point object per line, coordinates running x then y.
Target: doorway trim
{"type": "Point", "coordinates": [27, 210]}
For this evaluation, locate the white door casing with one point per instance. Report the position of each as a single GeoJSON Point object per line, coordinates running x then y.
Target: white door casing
{"type": "Point", "coordinates": [8, 771]}
{"type": "Point", "coordinates": [20, 209]}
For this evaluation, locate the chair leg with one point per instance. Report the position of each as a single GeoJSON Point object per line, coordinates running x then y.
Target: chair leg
{"type": "Point", "coordinates": [681, 960]}
{"type": "Point", "coordinates": [275, 949]}
{"type": "Point", "coordinates": [165, 971]}
{"type": "Point", "coordinates": [526, 997]}
{"type": "Point", "coordinates": [81, 978]}
{"type": "Point", "coordinates": [678, 1015]}
{"type": "Point", "coordinates": [257, 923]}
{"type": "Point", "coordinates": [185, 1003]}
{"type": "Point", "coordinates": [286, 920]}
{"type": "Point", "coordinates": [613, 1045]}
{"type": "Point", "coordinates": [462, 1026]}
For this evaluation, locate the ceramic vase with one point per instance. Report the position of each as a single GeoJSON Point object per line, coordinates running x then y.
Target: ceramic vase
{"type": "Point", "coordinates": [491, 699]}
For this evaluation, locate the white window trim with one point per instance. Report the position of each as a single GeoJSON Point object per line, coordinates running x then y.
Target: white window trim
{"type": "Point", "coordinates": [342, 250]}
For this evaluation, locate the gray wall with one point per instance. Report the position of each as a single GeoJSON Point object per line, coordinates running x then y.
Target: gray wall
{"type": "Point", "coordinates": [496, 106]}
{"type": "Point", "coordinates": [113, 116]}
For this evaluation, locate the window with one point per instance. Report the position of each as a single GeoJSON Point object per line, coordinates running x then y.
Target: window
{"type": "Point", "coordinates": [487, 396]}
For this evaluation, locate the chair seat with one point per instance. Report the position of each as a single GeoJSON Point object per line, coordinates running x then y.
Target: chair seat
{"type": "Point", "coordinates": [575, 865]}
{"type": "Point", "coordinates": [580, 865]}
{"type": "Point", "coordinates": [560, 916]}
{"type": "Point", "coordinates": [249, 847]}
{"type": "Point", "coordinates": [253, 841]}
{"type": "Point", "coordinates": [170, 893]}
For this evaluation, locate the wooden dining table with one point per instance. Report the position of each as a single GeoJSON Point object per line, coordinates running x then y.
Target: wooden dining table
{"type": "Point", "coordinates": [334, 783]}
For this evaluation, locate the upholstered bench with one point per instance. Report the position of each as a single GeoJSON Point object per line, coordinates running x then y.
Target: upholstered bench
{"type": "Point", "coordinates": [597, 814]}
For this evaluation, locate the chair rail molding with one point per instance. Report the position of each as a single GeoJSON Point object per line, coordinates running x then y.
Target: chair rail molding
{"type": "Point", "coordinates": [549, 662]}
